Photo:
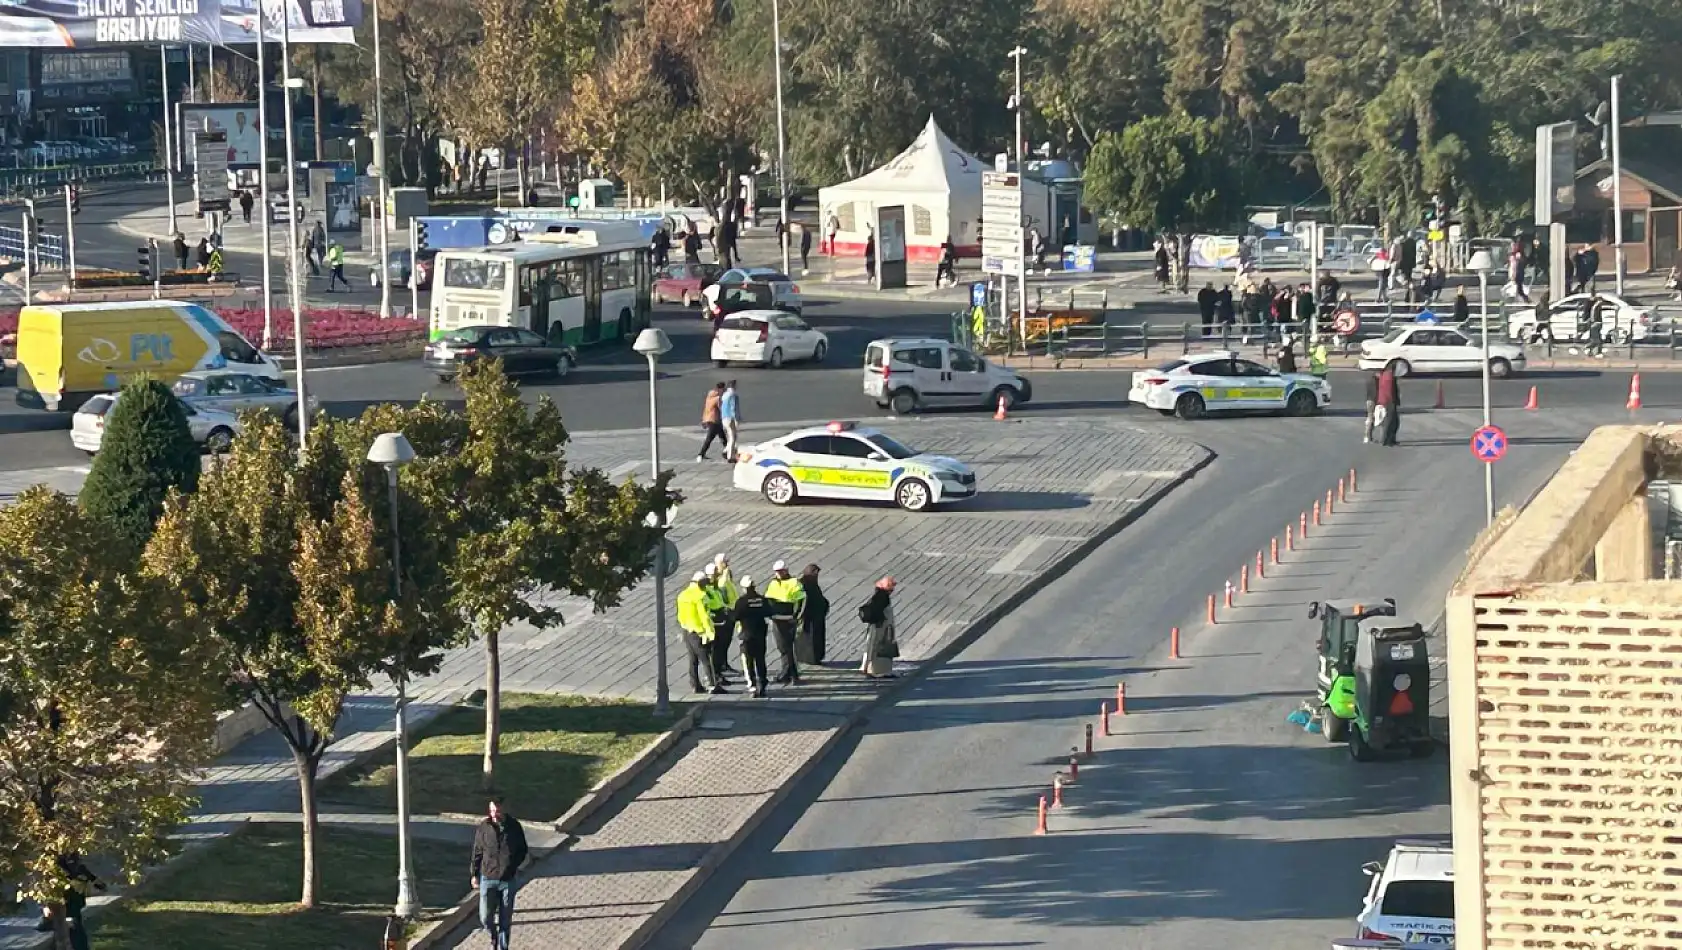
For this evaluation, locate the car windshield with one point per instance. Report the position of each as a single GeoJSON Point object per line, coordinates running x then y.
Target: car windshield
{"type": "Point", "coordinates": [97, 406]}
{"type": "Point", "coordinates": [743, 323]}
{"type": "Point", "coordinates": [1395, 334]}
{"type": "Point", "coordinates": [1170, 366]}
{"type": "Point", "coordinates": [470, 335]}
{"type": "Point", "coordinates": [1419, 899]}
{"type": "Point", "coordinates": [769, 276]}
{"type": "Point", "coordinates": [889, 447]}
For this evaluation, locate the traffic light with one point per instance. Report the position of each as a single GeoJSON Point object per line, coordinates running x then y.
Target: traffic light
{"type": "Point", "coordinates": [34, 230]}
{"type": "Point", "coordinates": [148, 261]}
{"type": "Point", "coordinates": [420, 235]}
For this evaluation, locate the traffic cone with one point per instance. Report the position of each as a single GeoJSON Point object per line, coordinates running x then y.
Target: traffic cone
{"type": "Point", "coordinates": [1440, 403]}
{"type": "Point", "coordinates": [1531, 402]}
{"type": "Point", "coordinates": [999, 414]}
{"type": "Point", "coordinates": [1634, 393]}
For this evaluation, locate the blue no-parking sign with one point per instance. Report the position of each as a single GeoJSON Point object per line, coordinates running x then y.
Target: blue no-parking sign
{"type": "Point", "coordinates": [1489, 443]}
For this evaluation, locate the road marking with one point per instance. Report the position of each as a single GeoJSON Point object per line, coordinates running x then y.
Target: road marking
{"type": "Point", "coordinates": [623, 469]}
{"type": "Point", "coordinates": [1024, 549]}
{"type": "Point", "coordinates": [927, 639]}
{"type": "Point", "coordinates": [1108, 479]}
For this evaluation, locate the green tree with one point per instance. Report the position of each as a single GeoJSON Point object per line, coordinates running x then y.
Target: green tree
{"type": "Point", "coordinates": [503, 521]}
{"type": "Point", "coordinates": [1168, 172]}
{"type": "Point", "coordinates": [278, 564]}
{"type": "Point", "coordinates": [100, 729]}
{"type": "Point", "coordinates": [146, 453]}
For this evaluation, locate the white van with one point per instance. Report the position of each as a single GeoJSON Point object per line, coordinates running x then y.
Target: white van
{"type": "Point", "coordinates": [905, 375]}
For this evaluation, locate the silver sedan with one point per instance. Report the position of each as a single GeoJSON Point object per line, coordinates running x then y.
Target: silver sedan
{"type": "Point", "coordinates": [229, 390]}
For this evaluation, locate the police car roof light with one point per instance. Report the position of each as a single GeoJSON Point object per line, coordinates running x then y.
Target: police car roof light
{"type": "Point", "coordinates": [840, 426]}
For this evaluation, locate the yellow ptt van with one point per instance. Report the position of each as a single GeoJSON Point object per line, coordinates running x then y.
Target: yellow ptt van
{"type": "Point", "coordinates": [69, 352]}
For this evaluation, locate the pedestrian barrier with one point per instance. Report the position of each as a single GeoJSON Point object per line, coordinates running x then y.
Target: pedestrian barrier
{"type": "Point", "coordinates": [1174, 642]}
{"type": "Point", "coordinates": [1104, 723]}
{"type": "Point", "coordinates": [1040, 829]}
{"type": "Point", "coordinates": [1121, 699]}
{"type": "Point", "coordinates": [47, 250]}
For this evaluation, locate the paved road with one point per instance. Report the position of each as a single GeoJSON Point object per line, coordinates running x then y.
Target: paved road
{"type": "Point", "coordinates": [1210, 821]}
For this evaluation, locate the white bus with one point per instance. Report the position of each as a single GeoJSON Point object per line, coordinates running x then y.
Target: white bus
{"type": "Point", "coordinates": [576, 284]}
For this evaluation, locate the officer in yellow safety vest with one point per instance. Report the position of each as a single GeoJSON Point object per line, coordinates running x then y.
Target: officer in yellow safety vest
{"type": "Point", "coordinates": [725, 582]}
{"type": "Point", "coordinates": [787, 598]}
{"type": "Point", "coordinates": [978, 327]}
{"type": "Point", "coordinates": [1317, 358]}
{"type": "Point", "coordinates": [695, 618]}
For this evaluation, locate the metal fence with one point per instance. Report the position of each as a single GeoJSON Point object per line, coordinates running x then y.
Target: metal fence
{"type": "Point", "coordinates": [16, 185]}
{"type": "Point", "coordinates": [48, 249]}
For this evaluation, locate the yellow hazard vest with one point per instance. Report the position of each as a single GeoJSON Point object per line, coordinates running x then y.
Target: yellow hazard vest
{"type": "Point", "coordinates": [727, 586]}
{"type": "Point", "coordinates": [1317, 360]}
{"type": "Point", "coordinates": [785, 590]}
{"type": "Point", "coordinates": [693, 614]}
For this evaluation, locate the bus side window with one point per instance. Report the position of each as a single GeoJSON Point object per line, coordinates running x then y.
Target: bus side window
{"type": "Point", "coordinates": [527, 278]}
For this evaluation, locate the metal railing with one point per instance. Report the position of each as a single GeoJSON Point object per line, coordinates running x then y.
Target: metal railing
{"type": "Point", "coordinates": [48, 251]}
{"type": "Point", "coordinates": [16, 185]}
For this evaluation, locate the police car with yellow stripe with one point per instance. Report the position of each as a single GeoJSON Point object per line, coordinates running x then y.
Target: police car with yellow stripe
{"type": "Point", "coordinates": [844, 461]}
{"type": "Point", "coordinates": [1200, 383]}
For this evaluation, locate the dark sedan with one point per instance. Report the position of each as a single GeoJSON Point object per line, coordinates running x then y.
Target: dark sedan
{"type": "Point", "coordinates": [522, 352]}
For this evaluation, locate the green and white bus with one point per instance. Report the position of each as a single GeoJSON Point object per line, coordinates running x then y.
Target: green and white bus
{"type": "Point", "coordinates": [578, 285]}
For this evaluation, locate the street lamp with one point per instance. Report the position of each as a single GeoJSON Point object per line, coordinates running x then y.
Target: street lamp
{"type": "Point", "coordinates": [782, 134]}
{"type": "Point", "coordinates": [652, 343]}
{"type": "Point", "coordinates": [1022, 173]}
{"type": "Point", "coordinates": [1482, 263]}
{"type": "Point", "coordinates": [295, 279]}
{"type": "Point", "coordinates": [392, 451]}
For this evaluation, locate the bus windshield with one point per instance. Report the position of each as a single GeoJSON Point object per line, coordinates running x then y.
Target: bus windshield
{"type": "Point", "coordinates": [466, 274]}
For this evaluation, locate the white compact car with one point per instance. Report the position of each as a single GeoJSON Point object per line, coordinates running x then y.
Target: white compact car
{"type": "Point", "coordinates": [1620, 320]}
{"type": "Point", "coordinates": [1191, 386]}
{"type": "Point", "coordinates": [905, 374]}
{"type": "Point", "coordinates": [212, 429]}
{"type": "Point", "coordinates": [846, 462]}
{"type": "Point", "coordinates": [768, 338]}
{"type": "Point", "coordinates": [784, 293]}
{"type": "Point", "coordinates": [1411, 898]}
{"type": "Point", "coordinates": [1432, 348]}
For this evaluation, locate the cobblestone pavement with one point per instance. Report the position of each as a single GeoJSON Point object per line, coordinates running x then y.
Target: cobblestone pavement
{"type": "Point", "coordinates": [1049, 488]}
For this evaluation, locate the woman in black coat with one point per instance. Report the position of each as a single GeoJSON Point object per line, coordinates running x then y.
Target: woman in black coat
{"type": "Point", "coordinates": [814, 615]}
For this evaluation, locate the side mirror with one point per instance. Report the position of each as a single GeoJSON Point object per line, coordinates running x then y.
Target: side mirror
{"type": "Point", "coordinates": [1314, 610]}
{"type": "Point", "coordinates": [1371, 868]}
{"type": "Point", "coordinates": [878, 457]}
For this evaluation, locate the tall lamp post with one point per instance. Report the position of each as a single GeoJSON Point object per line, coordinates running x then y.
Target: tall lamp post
{"type": "Point", "coordinates": [382, 246]}
{"type": "Point", "coordinates": [653, 344]}
{"type": "Point", "coordinates": [391, 451]}
{"type": "Point", "coordinates": [295, 279]}
{"type": "Point", "coordinates": [1482, 263]}
{"type": "Point", "coordinates": [782, 132]}
{"type": "Point", "coordinates": [1022, 173]}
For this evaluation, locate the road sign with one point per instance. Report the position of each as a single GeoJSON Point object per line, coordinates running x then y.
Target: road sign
{"type": "Point", "coordinates": [1001, 222]}
{"type": "Point", "coordinates": [1489, 443]}
{"type": "Point", "coordinates": [978, 294]}
{"type": "Point", "coordinates": [1346, 322]}
{"type": "Point", "coordinates": [210, 170]}
{"type": "Point", "coordinates": [665, 557]}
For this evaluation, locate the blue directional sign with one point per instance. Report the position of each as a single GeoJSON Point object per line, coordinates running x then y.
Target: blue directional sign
{"type": "Point", "coordinates": [978, 294]}
{"type": "Point", "coordinates": [1426, 316]}
{"type": "Point", "coordinates": [1489, 443]}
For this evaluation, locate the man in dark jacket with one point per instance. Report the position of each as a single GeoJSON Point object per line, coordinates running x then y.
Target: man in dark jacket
{"type": "Point", "coordinates": [753, 613]}
{"type": "Point", "coordinates": [809, 643]}
{"type": "Point", "coordinates": [1224, 312]}
{"type": "Point", "coordinates": [1206, 307]}
{"type": "Point", "coordinates": [499, 848]}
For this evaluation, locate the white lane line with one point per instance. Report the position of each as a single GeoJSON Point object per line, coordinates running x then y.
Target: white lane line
{"type": "Point", "coordinates": [927, 639]}
{"type": "Point", "coordinates": [1096, 487]}
{"type": "Point", "coordinates": [1022, 552]}
{"type": "Point", "coordinates": [619, 471]}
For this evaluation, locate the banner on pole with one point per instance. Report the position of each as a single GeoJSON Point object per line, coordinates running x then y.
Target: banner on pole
{"type": "Point", "coordinates": [80, 24]}
{"type": "Point", "coordinates": [307, 21]}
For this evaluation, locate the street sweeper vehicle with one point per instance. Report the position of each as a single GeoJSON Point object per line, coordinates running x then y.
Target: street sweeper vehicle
{"type": "Point", "coordinates": [1373, 683]}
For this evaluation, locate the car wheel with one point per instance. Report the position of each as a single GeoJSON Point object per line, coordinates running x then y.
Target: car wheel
{"type": "Point", "coordinates": [1500, 368]}
{"type": "Point", "coordinates": [913, 494]}
{"type": "Point", "coordinates": [1005, 393]}
{"type": "Point", "coordinates": [219, 440]}
{"type": "Point", "coordinates": [1301, 403]}
{"type": "Point", "coordinates": [688, 301]}
{"type": "Point", "coordinates": [1333, 728]}
{"type": "Point", "coordinates": [775, 360]}
{"type": "Point", "coordinates": [1528, 334]}
{"type": "Point", "coordinates": [721, 363]}
{"type": "Point", "coordinates": [446, 378]}
{"type": "Point", "coordinates": [820, 351]}
{"type": "Point", "coordinates": [1167, 412]}
{"type": "Point", "coordinates": [1618, 336]}
{"type": "Point", "coordinates": [563, 366]}
{"type": "Point", "coordinates": [660, 298]}
{"type": "Point", "coordinates": [903, 402]}
{"type": "Point", "coordinates": [1403, 367]}
{"type": "Point", "coordinates": [1189, 406]}
{"type": "Point", "coordinates": [1358, 748]}
{"type": "Point", "coordinates": [779, 489]}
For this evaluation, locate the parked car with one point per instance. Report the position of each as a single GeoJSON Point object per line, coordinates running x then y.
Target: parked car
{"type": "Point", "coordinates": [1433, 348]}
{"type": "Point", "coordinates": [232, 391]}
{"type": "Point", "coordinates": [1411, 897]}
{"type": "Point", "coordinates": [767, 337]}
{"type": "Point", "coordinates": [398, 270]}
{"type": "Point", "coordinates": [680, 281]}
{"type": "Point", "coordinates": [785, 293]}
{"type": "Point", "coordinates": [905, 374]}
{"type": "Point", "coordinates": [522, 352]}
{"type": "Point", "coordinates": [1621, 319]}
{"type": "Point", "coordinates": [213, 429]}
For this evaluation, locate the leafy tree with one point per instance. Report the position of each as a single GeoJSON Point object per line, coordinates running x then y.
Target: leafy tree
{"type": "Point", "coordinates": [277, 562]}
{"type": "Point", "coordinates": [100, 729]}
{"type": "Point", "coordinates": [500, 520]}
{"type": "Point", "coordinates": [1167, 172]}
{"type": "Point", "coordinates": [146, 453]}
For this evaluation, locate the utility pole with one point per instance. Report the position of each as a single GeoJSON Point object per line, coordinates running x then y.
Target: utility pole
{"type": "Point", "coordinates": [1022, 177]}
{"type": "Point", "coordinates": [1617, 189]}
{"type": "Point", "coordinates": [382, 246]}
{"type": "Point", "coordinates": [294, 277]}
{"type": "Point", "coordinates": [263, 204]}
{"type": "Point", "coordinates": [169, 142]}
{"type": "Point", "coordinates": [782, 131]}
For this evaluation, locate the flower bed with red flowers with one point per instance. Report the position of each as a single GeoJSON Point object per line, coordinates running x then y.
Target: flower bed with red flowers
{"type": "Point", "coordinates": [324, 329]}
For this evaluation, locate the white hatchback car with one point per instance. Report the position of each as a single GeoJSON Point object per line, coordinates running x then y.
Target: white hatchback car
{"type": "Point", "coordinates": [1433, 348]}
{"type": "Point", "coordinates": [767, 337]}
{"type": "Point", "coordinates": [784, 292]}
{"type": "Point", "coordinates": [1411, 898]}
{"type": "Point", "coordinates": [212, 429]}
{"type": "Point", "coordinates": [1620, 320]}
{"type": "Point", "coordinates": [843, 461]}
{"type": "Point", "coordinates": [1199, 383]}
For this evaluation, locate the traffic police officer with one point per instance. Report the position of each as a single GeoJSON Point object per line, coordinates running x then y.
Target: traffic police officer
{"type": "Point", "coordinates": [787, 597]}
{"type": "Point", "coordinates": [753, 612]}
{"type": "Point", "coordinates": [694, 616]}
{"type": "Point", "coordinates": [723, 627]}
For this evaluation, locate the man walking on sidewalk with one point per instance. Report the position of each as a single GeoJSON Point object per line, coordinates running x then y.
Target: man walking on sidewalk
{"type": "Point", "coordinates": [730, 416]}
{"type": "Point", "coordinates": [499, 848]}
{"type": "Point", "coordinates": [713, 424]}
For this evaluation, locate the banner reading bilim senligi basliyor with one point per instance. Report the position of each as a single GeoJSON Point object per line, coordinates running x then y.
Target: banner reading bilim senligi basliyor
{"type": "Point", "coordinates": [81, 24]}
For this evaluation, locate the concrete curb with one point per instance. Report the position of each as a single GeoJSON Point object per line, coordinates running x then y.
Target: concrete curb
{"type": "Point", "coordinates": [440, 929]}
{"type": "Point", "coordinates": [1090, 364]}
{"type": "Point", "coordinates": [720, 852]}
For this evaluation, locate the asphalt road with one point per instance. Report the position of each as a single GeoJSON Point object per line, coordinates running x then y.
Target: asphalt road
{"type": "Point", "coordinates": [1211, 822]}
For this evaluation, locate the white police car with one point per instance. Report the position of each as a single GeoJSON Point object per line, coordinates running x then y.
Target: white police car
{"type": "Point", "coordinates": [1411, 898]}
{"type": "Point", "coordinates": [843, 461]}
{"type": "Point", "coordinates": [1200, 383]}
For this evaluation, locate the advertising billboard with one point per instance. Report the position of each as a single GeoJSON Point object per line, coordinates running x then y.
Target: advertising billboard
{"type": "Point", "coordinates": [79, 78]}
{"type": "Point", "coordinates": [236, 120]}
{"type": "Point", "coordinates": [307, 21]}
{"type": "Point", "coordinates": [890, 246]}
{"type": "Point", "coordinates": [78, 24]}
{"type": "Point", "coordinates": [1556, 171]}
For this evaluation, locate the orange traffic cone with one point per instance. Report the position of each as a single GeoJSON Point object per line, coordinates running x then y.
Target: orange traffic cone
{"type": "Point", "coordinates": [999, 414]}
{"type": "Point", "coordinates": [1634, 392]}
{"type": "Point", "coordinates": [1531, 402]}
{"type": "Point", "coordinates": [1440, 403]}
